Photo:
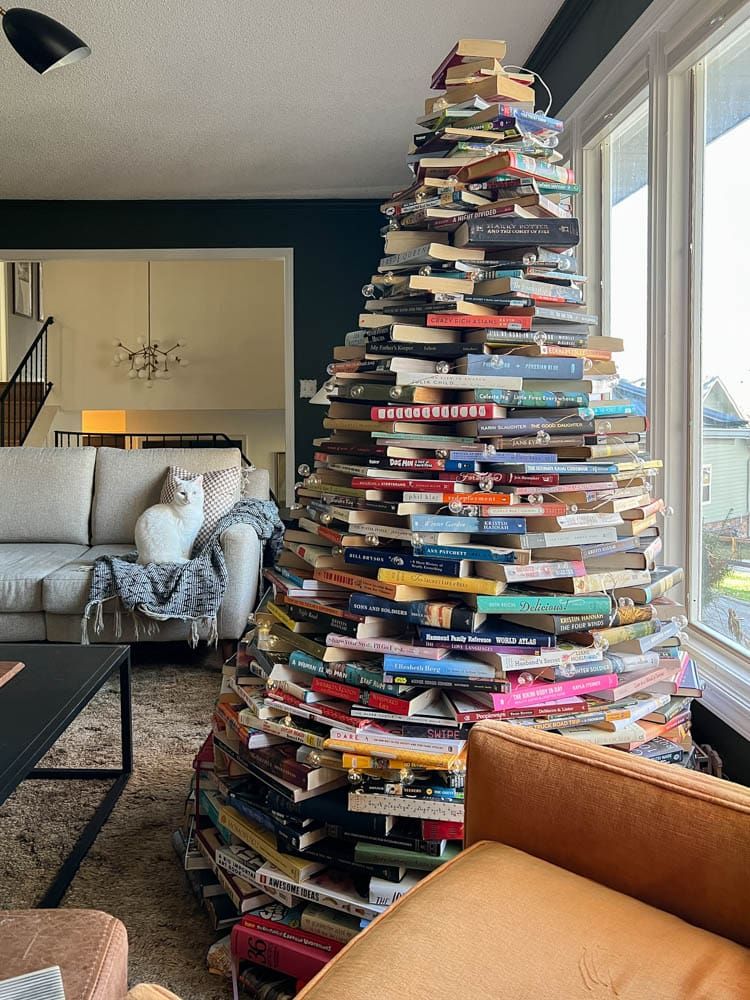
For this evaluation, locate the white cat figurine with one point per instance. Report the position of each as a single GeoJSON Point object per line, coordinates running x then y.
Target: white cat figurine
{"type": "Point", "coordinates": [165, 532]}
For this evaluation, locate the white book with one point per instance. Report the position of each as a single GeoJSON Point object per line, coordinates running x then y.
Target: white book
{"type": "Point", "coordinates": [46, 984]}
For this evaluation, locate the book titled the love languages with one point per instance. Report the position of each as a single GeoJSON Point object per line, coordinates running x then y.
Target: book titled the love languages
{"type": "Point", "coordinates": [9, 669]}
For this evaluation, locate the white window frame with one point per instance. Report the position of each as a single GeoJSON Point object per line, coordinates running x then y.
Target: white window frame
{"type": "Point", "coordinates": [707, 466]}
{"type": "Point", "coordinates": [656, 56]}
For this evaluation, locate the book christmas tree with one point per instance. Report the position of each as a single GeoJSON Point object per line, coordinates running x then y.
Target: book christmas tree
{"type": "Point", "coordinates": [478, 537]}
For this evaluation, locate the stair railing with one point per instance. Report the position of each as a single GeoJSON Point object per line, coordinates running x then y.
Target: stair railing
{"type": "Point", "coordinates": [25, 394]}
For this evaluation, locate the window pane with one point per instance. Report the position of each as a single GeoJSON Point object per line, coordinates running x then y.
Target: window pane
{"type": "Point", "coordinates": [723, 82]}
{"type": "Point", "coordinates": [625, 284]}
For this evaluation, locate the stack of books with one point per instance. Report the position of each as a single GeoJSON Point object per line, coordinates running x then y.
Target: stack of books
{"type": "Point", "coordinates": [478, 538]}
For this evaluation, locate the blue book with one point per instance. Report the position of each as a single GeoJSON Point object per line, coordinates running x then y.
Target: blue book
{"type": "Point", "coordinates": [508, 456]}
{"type": "Point", "coordinates": [496, 634]}
{"type": "Point", "coordinates": [414, 612]}
{"type": "Point", "coordinates": [563, 468]}
{"type": "Point", "coordinates": [477, 553]}
{"type": "Point", "coordinates": [533, 368]}
{"type": "Point", "coordinates": [401, 559]}
{"type": "Point", "coordinates": [442, 522]}
{"type": "Point", "coordinates": [454, 465]}
{"type": "Point", "coordinates": [448, 667]}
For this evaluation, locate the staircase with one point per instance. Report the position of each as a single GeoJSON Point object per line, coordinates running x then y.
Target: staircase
{"type": "Point", "coordinates": [22, 398]}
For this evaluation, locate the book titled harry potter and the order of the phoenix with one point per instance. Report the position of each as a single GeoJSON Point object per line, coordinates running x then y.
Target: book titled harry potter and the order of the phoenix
{"type": "Point", "coordinates": [478, 538]}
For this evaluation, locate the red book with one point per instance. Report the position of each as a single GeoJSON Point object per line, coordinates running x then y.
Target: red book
{"type": "Point", "coordinates": [442, 829]}
{"type": "Point", "coordinates": [480, 322]}
{"type": "Point", "coordinates": [295, 934]}
{"type": "Point", "coordinates": [533, 479]}
{"type": "Point", "coordinates": [438, 411]}
{"type": "Point", "coordinates": [290, 957]}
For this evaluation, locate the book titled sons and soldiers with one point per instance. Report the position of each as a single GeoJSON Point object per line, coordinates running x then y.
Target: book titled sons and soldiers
{"type": "Point", "coordinates": [479, 538]}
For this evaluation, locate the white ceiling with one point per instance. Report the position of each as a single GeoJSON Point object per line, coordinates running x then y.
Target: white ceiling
{"type": "Point", "coordinates": [236, 98]}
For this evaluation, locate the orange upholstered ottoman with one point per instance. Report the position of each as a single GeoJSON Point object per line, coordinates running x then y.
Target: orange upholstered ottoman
{"type": "Point", "coordinates": [91, 949]}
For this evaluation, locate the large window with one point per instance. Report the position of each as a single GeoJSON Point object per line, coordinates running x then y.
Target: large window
{"type": "Point", "coordinates": [625, 214]}
{"type": "Point", "coordinates": [660, 135]}
{"type": "Point", "coordinates": [721, 99]}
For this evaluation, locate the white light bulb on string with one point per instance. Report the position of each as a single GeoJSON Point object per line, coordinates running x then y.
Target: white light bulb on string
{"type": "Point", "coordinates": [455, 506]}
{"type": "Point", "coordinates": [355, 392]}
{"type": "Point", "coordinates": [496, 361]}
{"type": "Point", "coordinates": [543, 437]}
{"type": "Point", "coordinates": [573, 508]}
{"type": "Point", "coordinates": [442, 368]}
{"type": "Point", "coordinates": [625, 602]}
{"type": "Point", "coordinates": [303, 470]}
{"type": "Point", "coordinates": [369, 291]}
{"type": "Point", "coordinates": [417, 540]}
{"type": "Point", "coordinates": [587, 413]}
{"type": "Point", "coordinates": [396, 392]}
{"type": "Point", "coordinates": [372, 540]}
{"type": "Point", "coordinates": [540, 339]}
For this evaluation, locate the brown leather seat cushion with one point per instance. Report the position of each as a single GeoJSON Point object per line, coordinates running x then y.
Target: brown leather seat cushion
{"type": "Point", "coordinates": [498, 924]}
{"type": "Point", "coordinates": [91, 949]}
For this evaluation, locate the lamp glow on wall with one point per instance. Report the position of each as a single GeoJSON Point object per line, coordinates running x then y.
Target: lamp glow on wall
{"type": "Point", "coordinates": [42, 42]}
{"type": "Point", "coordinates": [148, 361]}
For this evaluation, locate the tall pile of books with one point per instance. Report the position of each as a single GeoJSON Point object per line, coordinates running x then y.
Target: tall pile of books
{"type": "Point", "coordinates": [478, 539]}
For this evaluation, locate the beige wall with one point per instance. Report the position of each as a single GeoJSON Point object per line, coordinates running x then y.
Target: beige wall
{"type": "Point", "coordinates": [231, 312]}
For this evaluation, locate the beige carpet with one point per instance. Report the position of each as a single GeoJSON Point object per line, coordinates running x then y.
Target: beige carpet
{"type": "Point", "coordinates": [132, 870]}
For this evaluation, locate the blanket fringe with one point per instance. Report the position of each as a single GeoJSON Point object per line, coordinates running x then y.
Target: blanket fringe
{"type": "Point", "coordinates": [85, 641]}
{"type": "Point", "coordinates": [194, 635]}
{"type": "Point", "coordinates": [99, 618]}
{"type": "Point", "coordinates": [118, 623]}
{"type": "Point", "coordinates": [213, 631]}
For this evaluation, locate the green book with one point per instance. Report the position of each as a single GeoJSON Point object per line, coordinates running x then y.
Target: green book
{"type": "Point", "coordinates": [520, 603]}
{"type": "Point", "coordinates": [379, 854]}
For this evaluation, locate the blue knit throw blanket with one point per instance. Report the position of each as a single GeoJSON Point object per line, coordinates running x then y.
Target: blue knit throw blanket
{"type": "Point", "coordinates": [191, 591]}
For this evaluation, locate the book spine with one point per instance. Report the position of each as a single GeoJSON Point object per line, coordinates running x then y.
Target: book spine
{"type": "Point", "coordinates": [534, 694]}
{"type": "Point", "coordinates": [265, 949]}
{"type": "Point", "coordinates": [540, 368]}
{"type": "Point", "coordinates": [442, 830]}
{"type": "Point", "coordinates": [438, 411]}
{"type": "Point", "coordinates": [292, 934]}
{"type": "Point", "coordinates": [460, 320]}
{"type": "Point", "coordinates": [553, 605]}
{"type": "Point", "coordinates": [465, 584]}
{"type": "Point", "coordinates": [403, 560]}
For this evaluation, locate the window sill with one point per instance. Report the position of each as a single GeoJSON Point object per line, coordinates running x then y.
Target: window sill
{"type": "Point", "coordinates": [727, 679]}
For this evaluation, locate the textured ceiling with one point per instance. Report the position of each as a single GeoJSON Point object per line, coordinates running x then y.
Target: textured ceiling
{"type": "Point", "coordinates": [236, 98]}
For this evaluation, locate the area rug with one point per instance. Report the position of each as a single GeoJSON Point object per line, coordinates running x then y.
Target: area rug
{"type": "Point", "coordinates": [131, 871]}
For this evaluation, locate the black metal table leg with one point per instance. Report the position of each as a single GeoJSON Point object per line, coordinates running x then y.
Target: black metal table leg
{"type": "Point", "coordinates": [72, 862]}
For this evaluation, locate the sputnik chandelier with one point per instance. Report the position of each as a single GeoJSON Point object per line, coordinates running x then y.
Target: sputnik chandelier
{"type": "Point", "coordinates": [149, 361]}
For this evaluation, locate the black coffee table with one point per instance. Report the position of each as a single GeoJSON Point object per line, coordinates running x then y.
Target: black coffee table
{"type": "Point", "coordinates": [38, 705]}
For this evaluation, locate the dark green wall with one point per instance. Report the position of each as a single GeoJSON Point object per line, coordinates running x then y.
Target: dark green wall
{"type": "Point", "coordinates": [336, 246]}
{"type": "Point", "coordinates": [577, 39]}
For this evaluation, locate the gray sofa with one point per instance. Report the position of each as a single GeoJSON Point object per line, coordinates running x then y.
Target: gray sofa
{"type": "Point", "coordinates": [60, 508]}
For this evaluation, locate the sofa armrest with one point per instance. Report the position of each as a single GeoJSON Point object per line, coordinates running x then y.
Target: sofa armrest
{"type": "Point", "coordinates": [673, 838]}
{"type": "Point", "coordinates": [256, 484]}
{"type": "Point", "coordinates": [242, 552]}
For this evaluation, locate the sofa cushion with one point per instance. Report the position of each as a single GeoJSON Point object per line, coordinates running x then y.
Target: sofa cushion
{"type": "Point", "coordinates": [18, 626]}
{"type": "Point", "coordinates": [23, 568]}
{"type": "Point", "coordinates": [221, 491]}
{"type": "Point", "coordinates": [498, 924]}
{"type": "Point", "coordinates": [66, 591]}
{"type": "Point", "coordinates": [91, 949]}
{"type": "Point", "coordinates": [127, 482]}
{"type": "Point", "coordinates": [45, 494]}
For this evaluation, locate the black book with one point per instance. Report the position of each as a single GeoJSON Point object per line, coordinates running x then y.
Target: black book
{"type": "Point", "coordinates": [555, 234]}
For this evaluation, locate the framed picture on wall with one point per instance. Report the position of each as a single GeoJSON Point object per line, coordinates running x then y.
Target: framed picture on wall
{"type": "Point", "coordinates": [23, 289]}
{"type": "Point", "coordinates": [38, 292]}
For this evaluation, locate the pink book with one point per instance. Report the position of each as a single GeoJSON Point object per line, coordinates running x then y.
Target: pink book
{"type": "Point", "coordinates": [532, 694]}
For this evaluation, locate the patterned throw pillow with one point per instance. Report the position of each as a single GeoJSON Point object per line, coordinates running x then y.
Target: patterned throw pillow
{"type": "Point", "coordinates": [221, 490]}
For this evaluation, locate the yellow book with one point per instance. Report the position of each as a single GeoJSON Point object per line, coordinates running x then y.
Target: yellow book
{"type": "Point", "coordinates": [264, 842]}
{"type": "Point", "coordinates": [384, 765]}
{"type": "Point", "coordinates": [420, 758]}
{"type": "Point", "coordinates": [459, 585]}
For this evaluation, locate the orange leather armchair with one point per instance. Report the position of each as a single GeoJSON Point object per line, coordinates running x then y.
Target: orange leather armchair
{"type": "Point", "coordinates": [589, 874]}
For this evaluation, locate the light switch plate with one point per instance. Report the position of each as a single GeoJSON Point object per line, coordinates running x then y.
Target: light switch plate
{"type": "Point", "coordinates": [307, 388]}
